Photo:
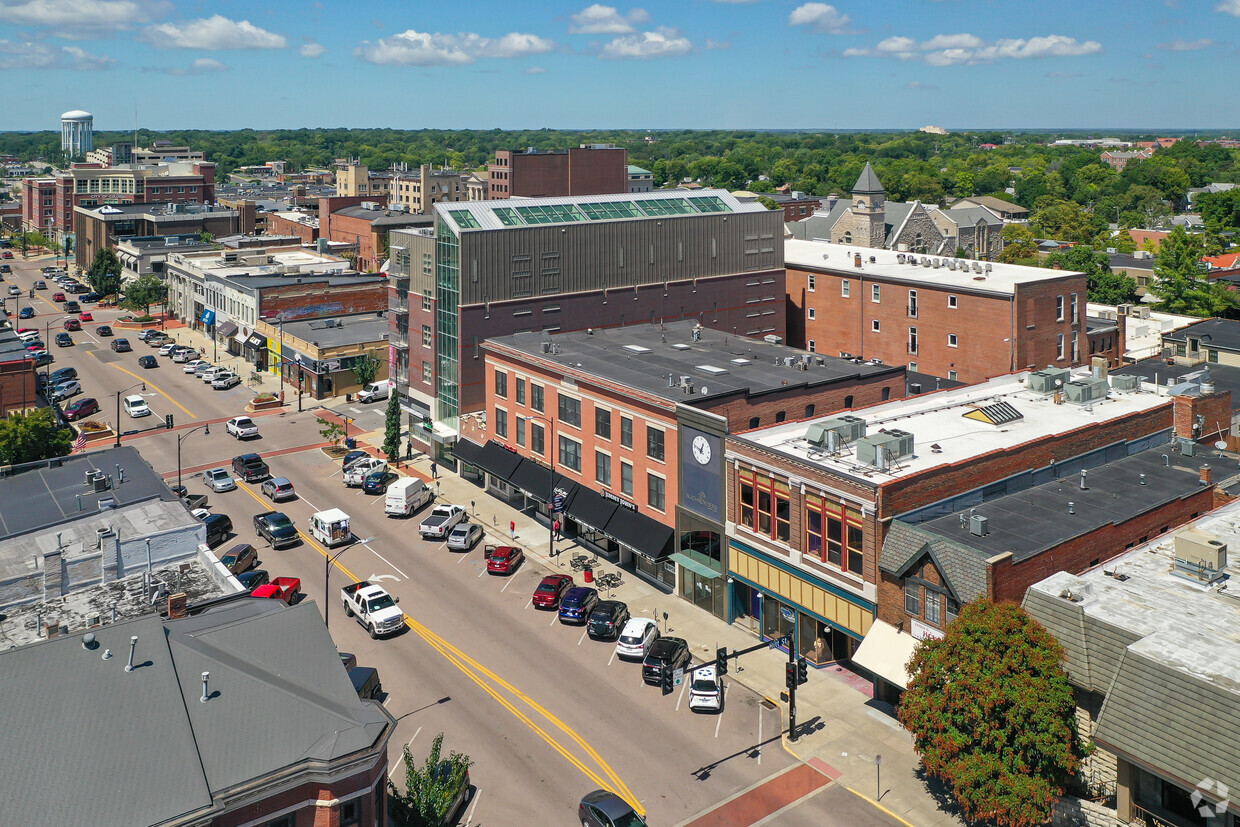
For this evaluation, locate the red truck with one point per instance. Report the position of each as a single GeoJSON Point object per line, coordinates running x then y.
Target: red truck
{"type": "Point", "coordinates": [282, 588]}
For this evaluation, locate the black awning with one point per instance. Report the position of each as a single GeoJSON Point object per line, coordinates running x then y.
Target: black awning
{"type": "Point", "coordinates": [493, 458]}
{"type": "Point", "coordinates": [226, 329]}
{"type": "Point", "coordinates": [466, 451]}
{"type": "Point", "coordinates": [648, 537]}
{"type": "Point", "coordinates": [589, 508]}
{"type": "Point", "coordinates": [532, 478]}
{"type": "Point", "coordinates": [257, 341]}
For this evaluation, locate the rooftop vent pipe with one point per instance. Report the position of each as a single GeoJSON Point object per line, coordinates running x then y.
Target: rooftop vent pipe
{"type": "Point", "coordinates": [133, 644]}
{"type": "Point", "coordinates": [205, 695]}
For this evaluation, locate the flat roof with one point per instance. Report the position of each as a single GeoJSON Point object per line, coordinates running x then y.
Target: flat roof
{"type": "Point", "coordinates": [355, 328]}
{"type": "Point", "coordinates": [213, 263]}
{"type": "Point", "coordinates": [719, 364]}
{"type": "Point", "coordinates": [1156, 373]}
{"type": "Point", "coordinates": [943, 435]}
{"type": "Point", "coordinates": [1220, 334]}
{"type": "Point", "coordinates": [840, 259]}
{"type": "Point", "coordinates": [1142, 336]}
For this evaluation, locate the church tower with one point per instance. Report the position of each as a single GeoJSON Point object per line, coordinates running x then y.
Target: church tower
{"type": "Point", "coordinates": [869, 205]}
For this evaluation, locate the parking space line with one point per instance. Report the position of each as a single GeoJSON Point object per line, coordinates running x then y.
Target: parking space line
{"type": "Point", "coordinates": [473, 805]}
{"type": "Point", "coordinates": [531, 603]}
{"type": "Point", "coordinates": [723, 692]}
{"type": "Point", "coordinates": [507, 583]}
{"type": "Point", "coordinates": [612, 659]}
{"type": "Point", "coordinates": [759, 746]}
{"type": "Point", "coordinates": [464, 554]}
{"type": "Point", "coordinates": [555, 616]}
{"type": "Point", "coordinates": [683, 686]}
{"type": "Point", "coordinates": [384, 559]}
{"type": "Point", "coordinates": [582, 638]}
{"type": "Point", "coordinates": [482, 572]}
{"type": "Point", "coordinates": [400, 763]}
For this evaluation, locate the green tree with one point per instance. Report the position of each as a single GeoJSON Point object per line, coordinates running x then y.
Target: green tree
{"type": "Point", "coordinates": [430, 788]}
{"type": "Point", "coordinates": [1105, 286]}
{"type": "Point", "coordinates": [29, 437]}
{"type": "Point", "coordinates": [992, 714]}
{"type": "Point", "coordinates": [1065, 221]}
{"type": "Point", "coordinates": [365, 369]}
{"type": "Point", "coordinates": [1180, 281]}
{"type": "Point", "coordinates": [769, 203]}
{"type": "Point", "coordinates": [1018, 243]}
{"type": "Point", "coordinates": [104, 273]}
{"type": "Point", "coordinates": [391, 426]}
{"type": "Point", "coordinates": [143, 292]}
{"type": "Point", "coordinates": [333, 432]}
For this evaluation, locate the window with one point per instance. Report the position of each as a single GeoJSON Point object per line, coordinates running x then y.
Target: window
{"type": "Point", "coordinates": [912, 599]}
{"type": "Point", "coordinates": [934, 603]}
{"type": "Point", "coordinates": [812, 282]}
{"type": "Point", "coordinates": [426, 302]}
{"type": "Point", "coordinates": [875, 293]}
{"type": "Point", "coordinates": [834, 533]}
{"type": "Point", "coordinates": [912, 367]}
{"type": "Point", "coordinates": [1059, 346]}
{"type": "Point", "coordinates": [813, 348]}
{"type": "Point", "coordinates": [520, 391]}
{"type": "Point", "coordinates": [951, 303]}
{"type": "Point", "coordinates": [765, 505]}
{"type": "Point", "coordinates": [626, 432]}
{"type": "Point", "coordinates": [501, 423]}
{"type": "Point", "coordinates": [536, 397]}
{"type": "Point", "coordinates": [351, 813]}
{"type": "Point", "coordinates": [952, 341]}
{"type": "Point", "coordinates": [886, 394]}
{"type": "Point", "coordinates": [780, 416]}
{"type": "Point", "coordinates": [521, 431]}
{"type": "Point", "coordinates": [1073, 317]}
{"type": "Point", "coordinates": [951, 374]}
{"type": "Point", "coordinates": [912, 304]}
{"type": "Point", "coordinates": [912, 340]}
{"type": "Point", "coordinates": [1059, 310]}
{"type": "Point", "coordinates": [602, 468]}
{"type": "Point", "coordinates": [501, 384]}
{"type": "Point", "coordinates": [536, 438]}
{"type": "Point", "coordinates": [626, 478]}
{"type": "Point", "coordinates": [845, 289]}
{"type": "Point", "coordinates": [602, 423]}
{"type": "Point", "coordinates": [282, 821]}
{"type": "Point", "coordinates": [848, 237]}
{"type": "Point", "coordinates": [953, 608]}
{"type": "Point", "coordinates": [754, 421]}
{"type": "Point", "coordinates": [812, 314]}
{"type": "Point", "coordinates": [570, 453]}
{"type": "Point", "coordinates": [570, 411]}
{"type": "Point", "coordinates": [874, 326]}
{"type": "Point", "coordinates": [654, 443]}
{"type": "Point", "coordinates": [809, 410]}
{"type": "Point", "coordinates": [656, 491]}
{"type": "Point", "coordinates": [427, 341]}
{"type": "Point", "coordinates": [1076, 346]}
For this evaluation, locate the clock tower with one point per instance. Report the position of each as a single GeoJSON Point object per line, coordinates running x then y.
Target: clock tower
{"type": "Point", "coordinates": [870, 206]}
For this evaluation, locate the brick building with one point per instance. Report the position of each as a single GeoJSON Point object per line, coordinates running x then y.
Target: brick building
{"type": "Point", "coordinates": [18, 382]}
{"type": "Point", "coordinates": [490, 269]}
{"type": "Point", "coordinates": [98, 228]}
{"type": "Point", "coordinates": [636, 418]}
{"type": "Point", "coordinates": [591, 169]}
{"type": "Point", "coordinates": [316, 355]}
{"type": "Point", "coordinates": [293, 223]}
{"type": "Point", "coordinates": [955, 318]}
{"type": "Point", "coordinates": [366, 228]}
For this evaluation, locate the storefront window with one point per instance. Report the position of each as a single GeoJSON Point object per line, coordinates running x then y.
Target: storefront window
{"type": "Point", "coordinates": [709, 593]}
{"type": "Point", "coordinates": [765, 505]}
{"type": "Point", "coordinates": [777, 619]}
{"type": "Point", "coordinates": [834, 533]}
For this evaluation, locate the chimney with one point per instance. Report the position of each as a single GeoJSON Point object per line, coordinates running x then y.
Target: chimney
{"type": "Point", "coordinates": [176, 605]}
{"type": "Point", "coordinates": [1207, 476]}
{"type": "Point", "coordinates": [857, 260]}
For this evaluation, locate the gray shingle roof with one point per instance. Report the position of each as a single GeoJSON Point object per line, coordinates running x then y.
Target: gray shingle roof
{"type": "Point", "coordinates": [1216, 334]}
{"type": "Point", "coordinates": [963, 569]}
{"type": "Point", "coordinates": [868, 181]}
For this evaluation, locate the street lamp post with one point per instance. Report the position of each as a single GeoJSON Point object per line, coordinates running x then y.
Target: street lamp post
{"type": "Point", "coordinates": [327, 571]}
{"type": "Point", "coordinates": [206, 429]}
{"type": "Point", "coordinates": [118, 409]}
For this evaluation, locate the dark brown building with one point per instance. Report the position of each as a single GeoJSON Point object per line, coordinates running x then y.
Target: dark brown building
{"type": "Point", "coordinates": [98, 228]}
{"type": "Point", "coordinates": [590, 169]}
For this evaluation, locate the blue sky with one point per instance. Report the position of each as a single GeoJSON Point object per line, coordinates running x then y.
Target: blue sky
{"type": "Point", "coordinates": [733, 64]}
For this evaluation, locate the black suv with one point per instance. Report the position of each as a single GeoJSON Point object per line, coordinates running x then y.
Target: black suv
{"type": "Point", "coordinates": [666, 653]}
{"type": "Point", "coordinates": [219, 526]}
{"type": "Point", "coordinates": [59, 376]}
{"type": "Point", "coordinates": [607, 619]}
{"type": "Point", "coordinates": [250, 467]}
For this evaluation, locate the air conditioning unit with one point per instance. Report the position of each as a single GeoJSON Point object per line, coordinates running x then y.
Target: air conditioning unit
{"type": "Point", "coordinates": [1199, 555]}
{"type": "Point", "coordinates": [1049, 380]}
{"type": "Point", "coordinates": [1084, 391]}
{"type": "Point", "coordinates": [979, 526]}
{"type": "Point", "coordinates": [1142, 311]}
{"type": "Point", "coordinates": [881, 448]}
{"type": "Point", "coordinates": [850, 428]}
{"type": "Point", "coordinates": [1125, 382]}
{"type": "Point", "coordinates": [1125, 309]}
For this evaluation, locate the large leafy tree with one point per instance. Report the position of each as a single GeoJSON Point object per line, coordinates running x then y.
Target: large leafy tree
{"type": "Point", "coordinates": [1104, 286]}
{"type": "Point", "coordinates": [992, 714]}
{"type": "Point", "coordinates": [1180, 281]}
{"type": "Point", "coordinates": [365, 369]}
{"type": "Point", "coordinates": [1065, 221]}
{"type": "Point", "coordinates": [143, 292]}
{"type": "Point", "coordinates": [1018, 243]}
{"type": "Point", "coordinates": [29, 437]}
{"type": "Point", "coordinates": [430, 787]}
{"type": "Point", "coordinates": [104, 273]}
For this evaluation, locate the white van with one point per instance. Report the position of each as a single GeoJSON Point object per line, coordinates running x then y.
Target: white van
{"type": "Point", "coordinates": [406, 496]}
{"type": "Point", "coordinates": [375, 391]}
{"type": "Point", "coordinates": [706, 691]}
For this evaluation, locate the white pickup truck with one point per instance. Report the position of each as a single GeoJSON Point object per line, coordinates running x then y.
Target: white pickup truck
{"type": "Point", "coordinates": [356, 473]}
{"type": "Point", "coordinates": [373, 607]}
{"type": "Point", "coordinates": [440, 521]}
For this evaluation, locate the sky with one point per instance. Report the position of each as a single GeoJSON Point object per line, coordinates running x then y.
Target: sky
{"type": "Point", "coordinates": [518, 64]}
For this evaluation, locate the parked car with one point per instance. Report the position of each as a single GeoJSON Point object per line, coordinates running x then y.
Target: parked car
{"type": "Point", "coordinates": [136, 406]}
{"type": "Point", "coordinates": [250, 467]}
{"type": "Point", "coordinates": [577, 604]}
{"type": "Point", "coordinates": [603, 808]}
{"type": "Point", "coordinates": [218, 480]}
{"type": "Point", "coordinates": [103, 330]}
{"type": "Point", "coordinates": [58, 297]}
{"type": "Point", "coordinates": [61, 375]}
{"type": "Point", "coordinates": [166, 349]}
{"type": "Point", "coordinates": [182, 355]}
{"type": "Point", "coordinates": [405, 496]}
{"type": "Point", "coordinates": [148, 362]}
{"type": "Point", "coordinates": [64, 340]}
{"type": "Point", "coordinates": [375, 391]}
{"type": "Point", "coordinates": [72, 324]}
{"type": "Point", "coordinates": [366, 683]}
{"type": "Point", "coordinates": [193, 365]}
{"type": "Point", "coordinates": [287, 589]}
{"type": "Point", "coordinates": [551, 590]}
{"type": "Point", "coordinates": [198, 371]}
{"type": "Point", "coordinates": [40, 284]}
{"type": "Point", "coordinates": [277, 489]}
{"type": "Point", "coordinates": [26, 312]}
{"type": "Point", "coordinates": [442, 519]}
{"type": "Point", "coordinates": [239, 558]}
{"type": "Point", "coordinates": [41, 358]}
{"type": "Point", "coordinates": [208, 375]}
{"type": "Point", "coordinates": [356, 473]}
{"type": "Point", "coordinates": [121, 345]}
{"type": "Point", "coordinates": [253, 578]}
{"type": "Point", "coordinates": [464, 536]}
{"type": "Point", "coordinates": [350, 458]}
{"type": "Point", "coordinates": [82, 407]}
{"type": "Point", "coordinates": [242, 427]}
{"type": "Point", "coordinates": [85, 316]}
{"type": "Point", "coordinates": [276, 528]}
{"type": "Point", "coordinates": [66, 389]}
{"type": "Point", "coordinates": [636, 638]}
{"type": "Point", "coordinates": [705, 690]}
{"type": "Point", "coordinates": [376, 482]}
{"type": "Point", "coordinates": [666, 653]}
{"type": "Point", "coordinates": [148, 333]}
{"type": "Point", "coordinates": [156, 339]}
{"type": "Point", "coordinates": [224, 381]}
{"type": "Point", "coordinates": [219, 526]}
{"type": "Point", "coordinates": [607, 620]}
{"type": "Point", "coordinates": [503, 559]}
{"type": "Point", "coordinates": [460, 793]}
{"type": "Point", "coordinates": [91, 296]}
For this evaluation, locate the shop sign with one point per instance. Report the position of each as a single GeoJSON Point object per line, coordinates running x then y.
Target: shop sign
{"type": "Point", "coordinates": [787, 613]}
{"type": "Point", "coordinates": [923, 632]}
{"type": "Point", "coordinates": [607, 495]}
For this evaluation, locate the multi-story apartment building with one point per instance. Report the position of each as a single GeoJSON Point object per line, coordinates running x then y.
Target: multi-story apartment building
{"type": "Point", "coordinates": [355, 179]}
{"type": "Point", "coordinates": [495, 269]}
{"type": "Point", "coordinates": [948, 317]}
{"type": "Point", "coordinates": [633, 419]}
{"type": "Point", "coordinates": [591, 169]}
{"type": "Point", "coordinates": [416, 190]}
{"type": "Point", "coordinates": [363, 229]}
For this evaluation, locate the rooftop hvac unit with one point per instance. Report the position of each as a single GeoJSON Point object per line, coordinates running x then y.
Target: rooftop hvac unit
{"type": "Point", "coordinates": [851, 428]}
{"type": "Point", "coordinates": [1084, 391]}
{"type": "Point", "coordinates": [1141, 311]}
{"type": "Point", "coordinates": [1199, 555]}
{"type": "Point", "coordinates": [979, 526]}
{"type": "Point", "coordinates": [102, 483]}
{"type": "Point", "coordinates": [772, 339]}
{"type": "Point", "coordinates": [879, 449]}
{"type": "Point", "coordinates": [790, 361]}
{"type": "Point", "coordinates": [1049, 380]}
{"type": "Point", "coordinates": [1124, 309]}
{"type": "Point", "coordinates": [1125, 381]}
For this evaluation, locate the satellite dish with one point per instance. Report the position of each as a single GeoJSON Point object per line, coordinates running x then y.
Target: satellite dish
{"type": "Point", "coordinates": [1059, 383]}
{"type": "Point", "coordinates": [1221, 445]}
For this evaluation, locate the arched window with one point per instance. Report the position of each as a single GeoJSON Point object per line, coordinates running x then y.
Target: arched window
{"type": "Point", "coordinates": [848, 237]}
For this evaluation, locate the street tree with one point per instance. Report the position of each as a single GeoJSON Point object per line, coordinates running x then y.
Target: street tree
{"type": "Point", "coordinates": [391, 426]}
{"type": "Point", "coordinates": [992, 715]}
{"type": "Point", "coordinates": [1180, 280]}
{"type": "Point", "coordinates": [143, 292]}
{"type": "Point", "coordinates": [430, 788]}
{"type": "Point", "coordinates": [104, 273]}
{"type": "Point", "coordinates": [29, 437]}
{"type": "Point", "coordinates": [1104, 286]}
{"type": "Point", "coordinates": [365, 369]}
{"type": "Point", "coordinates": [333, 432]}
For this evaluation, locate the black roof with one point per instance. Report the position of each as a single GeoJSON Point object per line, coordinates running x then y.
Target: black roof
{"type": "Point", "coordinates": [1223, 334]}
{"type": "Point", "coordinates": [1224, 377]}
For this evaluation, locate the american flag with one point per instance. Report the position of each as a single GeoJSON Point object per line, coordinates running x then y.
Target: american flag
{"type": "Point", "coordinates": [80, 442]}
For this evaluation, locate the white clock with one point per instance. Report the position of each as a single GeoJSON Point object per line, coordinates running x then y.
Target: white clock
{"type": "Point", "coordinates": [701, 449]}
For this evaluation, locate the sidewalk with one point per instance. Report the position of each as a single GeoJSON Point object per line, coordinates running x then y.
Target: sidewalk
{"type": "Point", "coordinates": [269, 382]}
{"type": "Point", "coordinates": [842, 726]}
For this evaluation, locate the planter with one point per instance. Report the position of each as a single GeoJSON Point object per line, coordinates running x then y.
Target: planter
{"type": "Point", "coordinates": [256, 406]}
{"type": "Point", "coordinates": [96, 436]}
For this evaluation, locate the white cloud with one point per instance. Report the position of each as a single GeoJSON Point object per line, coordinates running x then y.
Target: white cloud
{"type": "Point", "coordinates": [1186, 45]}
{"type": "Point", "coordinates": [207, 64]}
{"type": "Point", "coordinates": [74, 18]}
{"type": "Point", "coordinates": [1231, 7]}
{"type": "Point", "coordinates": [536, 70]}
{"type": "Point", "coordinates": [956, 49]}
{"type": "Point", "coordinates": [711, 43]}
{"type": "Point", "coordinates": [414, 48]}
{"type": "Point", "coordinates": [213, 34]}
{"type": "Point", "coordinates": [14, 55]}
{"type": "Point", "coordinates": [663, 42]}
{"type": "Point", "coordinates": [821, 18]}
{"type": "Point", "coordinates": [312, 49]}
{"type": "Point", "coordinates": [600, 19]}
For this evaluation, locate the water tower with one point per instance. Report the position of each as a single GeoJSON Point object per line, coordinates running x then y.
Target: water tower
{"type": "Point", "coordinates": [77, 132]}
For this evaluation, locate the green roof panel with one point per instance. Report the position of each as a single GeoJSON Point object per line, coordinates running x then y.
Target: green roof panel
{"type": "Point", "coordinates": [605, 210]}
{"type": "Point", "coordinates": [667, 206]}
{"type": "Point", "coordinates": [464, 219]}
{"type": "Point", "coordinates": [550, 214]}
{"type": "Point", "coordinates": [508, 216]}
{"type": "Point", "coordinates": [710, 203]}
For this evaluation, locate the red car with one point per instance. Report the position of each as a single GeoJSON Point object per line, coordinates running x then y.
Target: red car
{"type": "Point", "coordinates": [81, 408]}
{"type": "Point", "coordinates": [503, 559]}
{"type": "Point", "coordinates": [551, 590]}
{"type": "Point", "coordinates": [58, 297]}
{"type": "Point", "coordinates": [8, 253]}
{"type": "Point", "coordinates": [85, 316]}
{"type": "Point", "coordinates": [72, 324]}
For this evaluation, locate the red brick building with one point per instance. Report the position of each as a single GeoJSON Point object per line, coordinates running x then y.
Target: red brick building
{"type": "Point", "coordinates": [296, 224]}
{"type": "Point", "coordinates": [593, 169]}
{"type": "Point", "coordinates": [365, 225]}
{"type": "Point", "coordinates": [954, 318]}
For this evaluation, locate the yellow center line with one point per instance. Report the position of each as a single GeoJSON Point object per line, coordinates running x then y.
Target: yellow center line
{"type": "Point", "coordinates": [161, 391]}
{"type": "Point", "coordinates": [469, 666]}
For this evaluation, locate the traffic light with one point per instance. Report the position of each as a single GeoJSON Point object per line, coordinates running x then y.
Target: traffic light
{"type": "Point", "coordinates": [168, 421]}
{"type": "Point", "coordinates": [667, 678]}
{"type": "Point", "coordinates": [802, 671]}
{"type": "Point", "coordinates": [790, 675]}
{"type": "Point", "coordinates": [721, 661]}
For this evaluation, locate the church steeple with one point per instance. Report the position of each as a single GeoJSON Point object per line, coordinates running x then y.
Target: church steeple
{"type": "Point", "coordinates": [868, 183]}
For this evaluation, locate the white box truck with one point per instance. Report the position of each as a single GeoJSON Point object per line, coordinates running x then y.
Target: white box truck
{"type": "Point", "coordinates": [406, 496]}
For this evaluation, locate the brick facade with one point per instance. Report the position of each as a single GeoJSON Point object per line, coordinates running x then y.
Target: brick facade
{"type": "Point", "coordinates": [18, 386]}
{"type": "Point", "coordinates": [320, 803]}
{"type": "Point", "coordinates": [300, 301]}
{"type": "Point", "coordinates": [577, 171]}
{"type": "Point", "coordinates": [278, 224]}
{"type": "Point", "coordinates": [1215, 408]}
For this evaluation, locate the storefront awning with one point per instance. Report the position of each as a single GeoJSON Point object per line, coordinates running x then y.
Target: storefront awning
{"type": "Point", "coordinates": [648, 537]}
{"type": "Point", "coordinates": [590, 508]}
{"type": "Point", "coordinates": [491, 457]}
{"type": "Point", "coordinates": [698, 568]}
{"type": "Point", "coordinates": [256, 341]}
{"type": "Point", "coordinates": [226, 329]}
{"type": "Point", "coordinates": [886, 651]}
